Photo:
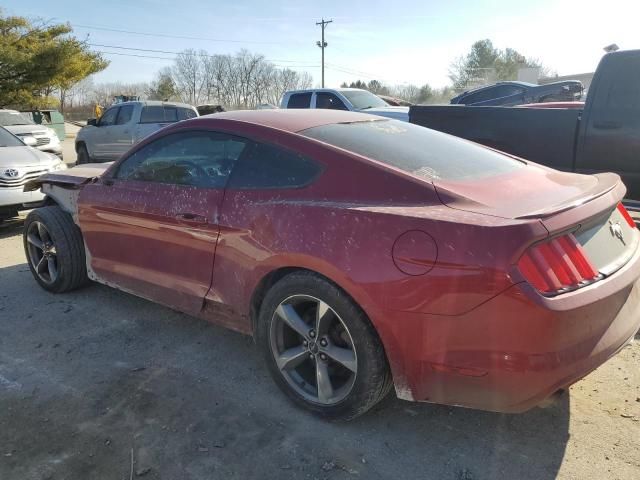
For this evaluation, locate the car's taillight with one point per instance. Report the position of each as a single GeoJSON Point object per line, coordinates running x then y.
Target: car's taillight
{"type": "Point", "coordinates": [623, 211]}
{"type": "Point", "coordinates": [557, 266]}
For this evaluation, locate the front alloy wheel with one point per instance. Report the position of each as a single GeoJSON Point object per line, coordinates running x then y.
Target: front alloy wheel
{"type": "Point", "coordinates": [54, 249]}
{"type": "Point", "coordinates": [42, 252]}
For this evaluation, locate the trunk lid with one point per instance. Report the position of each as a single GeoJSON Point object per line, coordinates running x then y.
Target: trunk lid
{"type": "Point", "coordinates": [529, 192]}
{"type": "Point", "coordinates": [608, 240]}
{"type": "Point", "coordinates": [586, 206]}
{"type": "Point", "coordinates": [566, 203]}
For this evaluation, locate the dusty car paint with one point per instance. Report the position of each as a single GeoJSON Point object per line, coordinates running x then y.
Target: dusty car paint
{"type": "Point", "coordinates": [468, 332]}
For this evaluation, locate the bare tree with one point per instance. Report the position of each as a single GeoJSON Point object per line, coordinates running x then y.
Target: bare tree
{"type": "Point", "coordinates": [243, 80]}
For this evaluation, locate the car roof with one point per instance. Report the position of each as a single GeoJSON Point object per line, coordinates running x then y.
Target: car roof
{"type": "Point", "coordinates": [497, 84]}
{"type": "Point", "coordinates": [312, 90]}
{"type": "Point", "coordinates": [291, 120]}
{"type": "Point", "coordinates": [152, 103]}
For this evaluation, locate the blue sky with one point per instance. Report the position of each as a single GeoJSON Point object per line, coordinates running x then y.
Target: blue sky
{"type": "Point", "coordinates": [397, 42]}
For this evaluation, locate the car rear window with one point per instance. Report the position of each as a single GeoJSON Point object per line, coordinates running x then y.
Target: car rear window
{"type": "Point", "coordinates": [416, 150]}
{"type": "Point", "coordinates": [165, 114]}
{"type": "Point", "coordinates": [269, 166]}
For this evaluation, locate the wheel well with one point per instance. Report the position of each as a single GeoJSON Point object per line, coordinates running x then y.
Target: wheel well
{"type": "Point", "coordinates": [274, 277]}
{"type": "Point", "coordinates": [50, 201]}
{"type": "Point", "coordinates": [263, 287]}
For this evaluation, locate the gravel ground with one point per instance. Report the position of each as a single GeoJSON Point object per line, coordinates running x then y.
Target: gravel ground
{"type": "Point", "coordinates": [99, 384]}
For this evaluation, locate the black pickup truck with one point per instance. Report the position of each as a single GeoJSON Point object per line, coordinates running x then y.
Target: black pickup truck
{"type": "Point", "coordinates": [604, 136]}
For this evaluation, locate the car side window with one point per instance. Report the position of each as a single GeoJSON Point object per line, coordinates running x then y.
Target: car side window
{"type": "Point", "coordinates": [330, 101]}
{"type": "Point", "coordinates": [299, 100]}
{"type": "Point", "coordinates": [269, 166]}
{"type": "Point", "coordinates": [481, 96]}
{"type": "Point", "coordinates": [170, 114]}
{"type": "Point", "coordinates": [124, 115]}
{"type": "Point", "coordinates": [186, 113]}
{"type": "Point", "coordinates": [507, 90]}
{"type": "Point", "coordinates": [109, 117]}
{"type": "Point", "coordinates": [196, 158]}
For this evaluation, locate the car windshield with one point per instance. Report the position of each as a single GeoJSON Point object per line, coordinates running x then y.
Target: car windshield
{"type": "Point", "coordinates": [420, 151]}
{"type": "Point", "coordinates": [361, 99]}
{"type": "Point", "coordinates": [9, 140]}
{"type": "Point", "coordinates": [13, 118]}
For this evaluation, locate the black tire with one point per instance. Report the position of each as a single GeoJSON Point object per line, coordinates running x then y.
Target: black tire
{"type": "Point", "coordinates": [372, 381]}
{"type": "Point", "coordinates": [83, 154]}
{"type": "Point", "coordinates": [65, 236]}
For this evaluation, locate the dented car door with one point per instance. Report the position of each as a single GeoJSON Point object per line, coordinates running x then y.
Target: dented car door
{"type": "Point", "coordinates": [150, 224]}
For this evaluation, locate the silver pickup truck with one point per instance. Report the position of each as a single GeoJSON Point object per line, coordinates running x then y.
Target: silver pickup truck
{"type": "Point", "coordinates": [124, 124]}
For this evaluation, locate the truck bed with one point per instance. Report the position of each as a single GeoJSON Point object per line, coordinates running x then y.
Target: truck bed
{"type": "Point", "coordinates": [502, 128]}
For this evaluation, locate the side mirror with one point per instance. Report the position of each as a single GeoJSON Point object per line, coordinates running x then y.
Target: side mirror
{"type": "Point", "coordinates": [29, 141]}
{"type": "Point", "coordinates": [92, 121]}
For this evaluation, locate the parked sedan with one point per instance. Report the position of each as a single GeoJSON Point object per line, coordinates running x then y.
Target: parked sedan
{"type": "Point", "coordinates": [20, 163]}
{"type": "Point", "coordinates": [517, 93]}
{"type": "Point", "coordinates": [21, 125]}
{"type": "Point", "coordinates": [360, 252]}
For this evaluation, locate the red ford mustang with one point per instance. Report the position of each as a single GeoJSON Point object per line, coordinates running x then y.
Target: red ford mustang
{"type": "Point", "coordinates": [362, 253]}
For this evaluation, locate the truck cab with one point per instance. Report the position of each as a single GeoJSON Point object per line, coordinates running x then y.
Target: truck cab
{"type": "Point", "coordinates": [124, 124]}
{"type": "Point", "coordinates": [351, 99]}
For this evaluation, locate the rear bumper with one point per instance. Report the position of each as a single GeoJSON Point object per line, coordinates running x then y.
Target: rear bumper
{"type": "Point", "coordinates": [512, 352]}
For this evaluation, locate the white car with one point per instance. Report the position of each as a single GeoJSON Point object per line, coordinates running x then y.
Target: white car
{"type": "Point", "coordinates": [352, 99]}
{"type": "Point", "coordinates": [20, 163]}
{"type": "Point", "coordinates": [22, 126]}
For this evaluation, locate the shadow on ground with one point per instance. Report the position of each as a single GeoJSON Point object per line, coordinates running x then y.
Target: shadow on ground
{"type": "Point", "coordinates": [93, 379]}
{"type": "Point", "coordinates": [11, 227]}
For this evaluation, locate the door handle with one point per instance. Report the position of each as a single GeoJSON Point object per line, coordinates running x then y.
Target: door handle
{"type": "Point", "coordinates": [607, 125]}
{"type": "Point", "coordinates": [192, 219]}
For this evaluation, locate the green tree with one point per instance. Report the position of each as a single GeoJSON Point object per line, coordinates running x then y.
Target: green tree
{"type": "Point", "coordinates": [358, 84]}
{"type": "Point", "coordinates": [163, 88]}
{"type": "Point", "coordinates": [375, 86]}
{"type": "Point", "coordinates": [36, 60]}
{"type": "Point", "coordinates": [485, 64]}
{"type": "Point", "coordinates": [426, 93]}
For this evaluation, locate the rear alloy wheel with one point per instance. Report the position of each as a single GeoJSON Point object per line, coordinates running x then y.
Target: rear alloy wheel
{"type": "Point", "coordinates": [321, 349]}
{"type": "Point", "coordinates": [313, 349]}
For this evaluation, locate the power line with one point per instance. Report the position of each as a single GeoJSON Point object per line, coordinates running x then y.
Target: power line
{"type": "Point", "coordinates": [134, 55]}
{"type": "Point", "coordinates": [179, 53]}
{"type": "Point", "coordinates": [173, 58]}
{"type": "Point", "coordinates": [167, 35]}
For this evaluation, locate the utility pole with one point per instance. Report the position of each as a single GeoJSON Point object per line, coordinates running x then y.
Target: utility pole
{"type": "Point", "coordinates": [323, 24]}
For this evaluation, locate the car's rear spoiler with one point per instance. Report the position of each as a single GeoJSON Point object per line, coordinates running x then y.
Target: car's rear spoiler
{"type": "Point", "coordinates": [607, 183]}
{"type": "Point", "coordinates": [73, 178]}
